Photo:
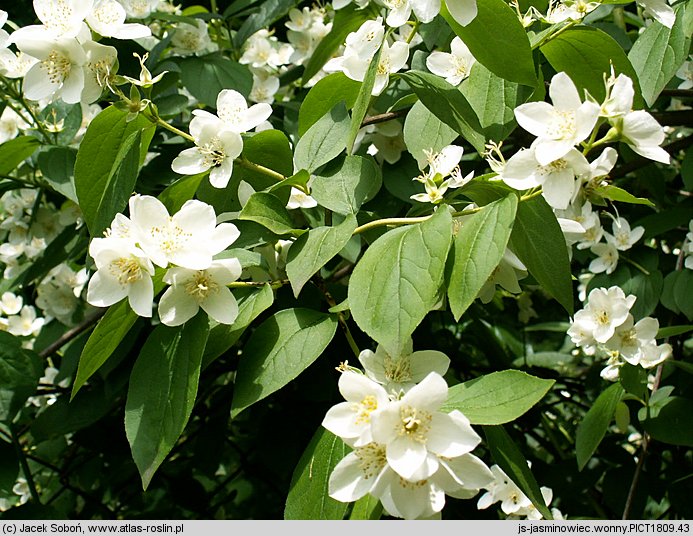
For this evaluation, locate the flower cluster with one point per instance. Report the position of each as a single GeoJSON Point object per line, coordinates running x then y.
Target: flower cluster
{"type": "Point", "coordinates": [514, 503]}
{"type": "Point", "coordinates": [59, 57]}
{"type": "Point", "coordinates": [606, 322]}
{"type": "Point", "coordinates": [185, 243]}
{"type": "Point", "coordinates": [218, 137]}
{"type": "Point", "coordinates": [406, 452]}
{"type": "Point", "coordinates": [443, 173]}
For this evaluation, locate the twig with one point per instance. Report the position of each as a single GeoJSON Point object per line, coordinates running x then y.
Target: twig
{"type": "Point", "coordinates": [677, 93]}
{"type": "Point", "coordinates": [25, 466]}
{"type": "Point", "coordinates": [382, 118]}
{"type": "Point", "coordinates": [72, 333]}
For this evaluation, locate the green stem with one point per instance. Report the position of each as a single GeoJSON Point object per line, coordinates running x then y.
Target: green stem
{"type": "Point", "coordinates": [25, 466]}
{"type": "Point", "coordinates": [414, 31]}
{"type": "Point", "coordinates": [638, 266]}
{"type": "Point", "coordinates": [555, 34]}
{"type": "Point", "coordinates": [255, 284]}
{"type": "Point", "coordinates": [389, 221]}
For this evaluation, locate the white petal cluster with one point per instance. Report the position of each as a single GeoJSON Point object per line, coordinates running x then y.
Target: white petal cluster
{"type": "Point", "coordinates": [58, 58]}
{"type": "Point", "coordinates": [606, 322]}
{"type": "Point", "coordinates": [443, 174]}
{"type": "Point", "coordinates": [126, 257]}
{"type": "Point", "coordinates": [218, 137]}
{"type": "Point", "coordinates": [454, 66]}
{"type": "Point", "coordinates": [637, 128]}
{"type": "Point", "coordinates": [362, 46]}
{"type": "Point", "coordinates": [514, 503]}
{"type": "Point", "coordinates": [406, 452]}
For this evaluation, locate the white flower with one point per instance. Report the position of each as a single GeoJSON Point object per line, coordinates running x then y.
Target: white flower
{"type": "Point", "coordinates": [685, 73]}
{"type": "Point", "coordinates": [507, 274]}
{"type": "Point", "coordinates": [556, 178]}
{"type": "Point", "coordinates": [454, 66]}
{"type": "Point", "coordinates": [605, 311]}
{"type": "Point", "coordinates": [107, 18]}
{"type": "Point", "coordinates": [10, 303]}
{"type": "Point", "coordinates": [265, 86]}
{"type": "Point", "coordinates": [191, 38]}
{"type": "Point", "coordinates": [351, 420]}
{"type": "Point", "coordinates": [623, 237]}
{"type": "Point", "coordinates": [652, 354]}
{"type": "Point", "coordinates": [558, 127]}
{"type": "Point", "coordinates": [357, 473]}
{"type": "Point", "coordinates": [191, 290]}
{"type": "Point", "coordinates": [607, 258]}
{"type": "Point", "coordinates": [189, 238]}
{"type": "Point", "coordinates": [216, 147]}
{"type": "Point", "coordinates": [26, 323]}
{"type": "Point", "coordinates": [233, 111]}
{"type": "Point", "coordinates": [638, 128]}
{"type": "Point", "coordinates": [263, 50]}
{"type": "Point", "coordinates": [97, 69]}
{"type": "Point", "coordinates": [11, 123]}
{"type": "Point", "coordinates": [63, 18]}
{"type": "Point", "coordinates": [660, 11]}
{"type": "Point", "coordinates": [139, 9]}
{"type": "Point", "coordinates": [441, 165]}
{"type": "Point", "coordinates": [300, 199]}
{"type": "Point", "coordinates": [366, 41]}
{"type": "Point", "coordinates": [504, 490]}
{"type": "Point", "coordinates": [402, 372]}
{"type": "Point", "coordinates": [629, 338]}
{"type": "Point", "coordinates": [416, 433]}
{"type": "Point", "coordinates": [463, 11]}
{"type": "Point", "coordinates": [561, 11]}
{"type": "Point", "coordinates": [392, 59]}
{"type": "Point", "coordinates": [59, 71]}
{"type": "Point", "coordinates": [123, 270]}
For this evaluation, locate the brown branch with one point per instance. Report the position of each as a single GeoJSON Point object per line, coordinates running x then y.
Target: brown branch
{"type": "Point", "coordinates": [382, 118]}
{"type": "Point", "coordinates": [677, 93]}
{"type": "Point", "coordinates": [72, 333]}
{"type": "Point", "coordinates": [674, 118]}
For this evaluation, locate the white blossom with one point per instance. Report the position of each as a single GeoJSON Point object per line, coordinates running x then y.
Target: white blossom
{"type": "Point", "coordinates": [454, 66]}
{"type": "Point", "coordinates": [607, 258]}
{"type": "Point", "coordinates": [623, 237]}
{"type": "Point", "coordinates": [558, 127]}
{"type": "Point", "coordinates": [191, 290]}
{"type": "Point", "coordinates": [606, 309]}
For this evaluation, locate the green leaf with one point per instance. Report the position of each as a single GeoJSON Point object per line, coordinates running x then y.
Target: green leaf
{"type": "Point", "coordinates": [9, 468]}
{"type": "Point", "coordinates": [593, 426]}
{"type": "Point", "coordinates": [163, 387]}
{"type": "Point", "coordinates": [268, 13]}
{"type": "Point", "coordinates": [67, 116]}
{"type": "Point", "coordinates": [20, 370]}
{"type": "Point", "coordinates": [509, 458]}
{"type": "Point", "coordinates": [498, 397]}
{"type": "Point", "coordinates": [363, 101]}
{"type": "Point", "coordinates": [100, 170]}
{"type": "Point", "coordinates": [494, 100]}
{"type": "Point", "coordinates": [175, 195]}
{"type": "Point", "coordinates": [366, 508]}
{"type": "Point", "coordinates": [103, 341]}
{"type": "Point", "coordinates": [673, 423]}
{"type": "Point", "coordinates": [657, 54]}
{"type": "Point", "coordinates": [538, 241]}
{"type": "Point", "coordinates": [348, 183]}
{"type": "Point", "coordinates": [398, 279]}
{"type": "Point", "coordinates": [267, 210]}
{"type": "Point", "coordinates": [57, 164]}
{"type": "Point", "coordinates": [323, 96]}
{"type": "Point", "coordinates": [617, 194]}
{"type": "Point", "coordinates": [314, 249]}
{"type": "Point", "coordinates": [222, 337]}
{"type": "Point", "coordinates": [14, 152]}
{"type": "Point", "coordinates": [324, 140]}
{"type": "Point", "coordinates": [508, 54]}
{"type": "Point", "coordinates": [673, 331]}
{"type": "Point", "coordinates": [423, 132]}
{"type": "Point", "coordinates": [648, 289]}
{"type": "Point", "coordinates": [280, 349]}
{"type": "Point", "coordinates": [683, 290]}
{"type": "Point", "coordinates": [308, 494]}
{"type": "Point", "coordinates": [586, 54]}
{"type": "Point", "coordinates": [448, 104]}
{"type": "Point", "coordinates": [346, 20]}
{"type": "Point", "coordinates": [206, 76]}
{"type": "Point", "coordinates": [477, 250]}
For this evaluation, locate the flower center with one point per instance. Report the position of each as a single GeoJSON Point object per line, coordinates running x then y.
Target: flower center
{"type": "Point", "coordinates": [126, 270]}
{"type": "Point", "coordinates": [602, 318]}
{"type": "Point", "coordinates": [563, 125]}
{"type": "Point", "coordinates": [414, 423]}
{"type": "Point", "coordinates": [171, 238]}
{"type": "Point", "coordinates": [57, 66]}
{"type": "Point", "coordinates": [397, 370]}
{"type": "Point", "coordinates": [201, 286]}
{"type": "Point", "coordinates": [364, 409]}
{"type": "Point", "coordinates": [372, 459]}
